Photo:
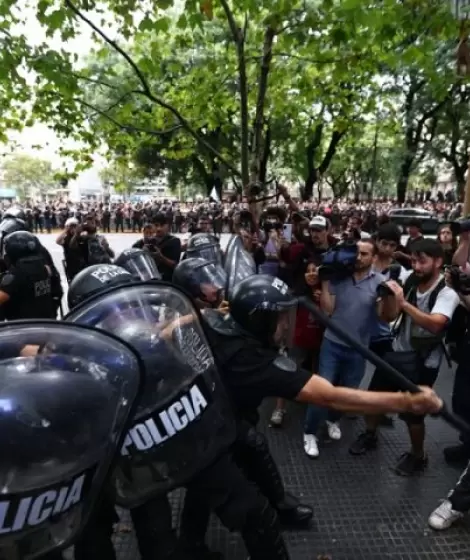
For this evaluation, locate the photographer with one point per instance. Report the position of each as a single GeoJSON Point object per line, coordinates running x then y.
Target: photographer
{"type": "Point", "coordinates": [353, 303]}
{"type": "Point", "coordinates": [459, 343]}
{"type": "Point", "coordinates": [458, 501]}
{"type": "Point", "coordinates": [426, 306]}
{"type": "Point", "coordinates": [164, 247]}
{"type": "Point", "coordinates": [73, 260]}
{"type": "Point", "coordinates": [93, 248]}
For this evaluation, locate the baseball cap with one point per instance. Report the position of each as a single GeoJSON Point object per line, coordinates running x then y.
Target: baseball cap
{"type": "Point", "coordinates": [318, 222]}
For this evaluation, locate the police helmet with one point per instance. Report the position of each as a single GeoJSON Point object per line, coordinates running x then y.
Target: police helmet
{"type": "Point", "coordinates": [205, 246]}
{"type": "Point", "coordinates": [261, 304]}
{"type": "Point", "coordinates": [21, 244]}
{"type": "Point", "coordinates": [94, 279]}
{"type": "Point", "coordinates": [203, 279]}
{"type": "Point", "coordinates": [15, 212]}
{"type": "Point", "coordinates": [139, 263]}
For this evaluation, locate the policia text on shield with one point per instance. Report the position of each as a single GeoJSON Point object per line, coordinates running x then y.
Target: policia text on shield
{"type": "Point", "coordinates": [384, 367]}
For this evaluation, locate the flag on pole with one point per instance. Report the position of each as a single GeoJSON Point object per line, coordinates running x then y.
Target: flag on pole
{"type": "Point", "coordinates": [214, 195]}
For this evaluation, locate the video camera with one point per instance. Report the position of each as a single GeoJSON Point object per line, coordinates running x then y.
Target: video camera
{"type": "Point", "coordinates": [339, 262]}
{"type": "Point", "coordinates": [460, 281]}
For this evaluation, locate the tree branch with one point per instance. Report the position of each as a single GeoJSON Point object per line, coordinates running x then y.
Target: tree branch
{"type": "Point", "coordinates": [239, 40]}
{"type": "Point", "coordinates": [129, 128]}
{"type": "Point", "coordinates": [269, 35]}
{"type": "Point", "coordinates": [146, 91]}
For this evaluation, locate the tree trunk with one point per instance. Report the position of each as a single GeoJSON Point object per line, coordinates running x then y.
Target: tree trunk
{"type": "Point", "coordinates": [403, 178]}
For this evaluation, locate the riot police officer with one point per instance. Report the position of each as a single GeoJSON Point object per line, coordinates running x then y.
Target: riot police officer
{"type": "Point", "coordinates": [246, 346]}
{"type": "Point", "coordinates": [60, 427]}
{"type": "Point", "coordinates": [206, 282]}
{"type": "Point", "coordinates": [184, 407]}
{"type": "Point", "coordinates": [27, 289]}
{"type": "Point", "coordinates": [204, 246]}
{"type": "Point", "coordinates": [139, 263]}
{"type": "Point", "coordinates": [152, 520]}
{"type": "Point", "coordinates": [13, 220]}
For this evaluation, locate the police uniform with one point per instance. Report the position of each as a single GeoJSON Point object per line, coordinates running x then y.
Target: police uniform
{"type": "Point", "coordinates": [183, 405]}
{"type": "Point", "coordinates": [28, 281]}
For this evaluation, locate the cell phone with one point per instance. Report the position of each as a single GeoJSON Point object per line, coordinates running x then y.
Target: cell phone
{"type": "Point", "coordinates": [287, 232]}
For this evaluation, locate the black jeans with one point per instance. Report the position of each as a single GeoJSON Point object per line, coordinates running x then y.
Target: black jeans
{"type": "Point", "coordinates": [461, 391]}
{"type": "Point", "coordinates": [460, 495]}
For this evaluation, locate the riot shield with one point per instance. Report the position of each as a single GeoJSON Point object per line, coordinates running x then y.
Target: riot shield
{"type": "Point", "coordinates": [66, 394]}
{"type": "Point", "coordinates": [239, 264]}
{"type": "Point", "coordinates": [204, 246]}
{"type": "Point", "coordinates": [139, 263]}
{"type": "Point", "coordinates": [183, 419]}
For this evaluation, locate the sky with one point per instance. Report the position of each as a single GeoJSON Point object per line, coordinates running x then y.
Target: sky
{"type": "Point", "coordinates": [40, 134]}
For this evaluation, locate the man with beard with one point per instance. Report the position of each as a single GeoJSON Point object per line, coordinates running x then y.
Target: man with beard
{"type": "Point", "coordinates": [426, 306]}
{"type": "Point", "coordinates": [352, 303]}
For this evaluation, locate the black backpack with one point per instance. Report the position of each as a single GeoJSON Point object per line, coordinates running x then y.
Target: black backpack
{"type": "Point", "coordinates": [96, 252]}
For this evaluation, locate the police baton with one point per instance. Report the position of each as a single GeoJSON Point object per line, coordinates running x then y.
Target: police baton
{"type": "Point", "coordinates": [384, 367]}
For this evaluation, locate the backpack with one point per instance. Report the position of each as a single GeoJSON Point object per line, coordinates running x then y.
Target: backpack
{"type": "Point", "coordinates": [96, 252]}
{"type": "Point", "coordinates": [410, 290]}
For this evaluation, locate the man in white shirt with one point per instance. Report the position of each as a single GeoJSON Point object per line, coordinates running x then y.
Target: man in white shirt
{"type": "Point", "coordinates": [426, 305]}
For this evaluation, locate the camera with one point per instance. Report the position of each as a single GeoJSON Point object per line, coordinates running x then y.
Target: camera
{"type": "Point", "coordinates": [393, 274]}
{"type": "Point", "coordinates": [339, 262]}
{"type": "Point", "coordinates": [460, 226]}
{"type": "Point", "coordinates": [459, 280]}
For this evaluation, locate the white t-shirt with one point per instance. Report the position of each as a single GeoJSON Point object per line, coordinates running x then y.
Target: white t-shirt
{"type": "Point", "coordinates": [447, 302]}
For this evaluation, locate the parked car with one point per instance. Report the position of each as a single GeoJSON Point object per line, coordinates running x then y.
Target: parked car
{"type": "Point", "coordinates": [402, 217]}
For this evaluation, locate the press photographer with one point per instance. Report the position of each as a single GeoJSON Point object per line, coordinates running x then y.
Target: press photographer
{"type": "Point", "coordinates": [457, 503]}
{"type": "Point", "coordinates": [425, 306]}
{"type": "Point", "coordinates": [458, 338]}
{"type": "Point", "coordinates": [349, 294]}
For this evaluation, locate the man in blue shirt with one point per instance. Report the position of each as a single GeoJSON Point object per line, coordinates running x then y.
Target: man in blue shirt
{"type": "Point", "coordinates": [352, 303]}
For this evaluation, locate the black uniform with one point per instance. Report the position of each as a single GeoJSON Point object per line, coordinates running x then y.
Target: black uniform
{"type": "Point", "coordinates": [29, 280]}
{"type": "Point", "coordinates": [195, 453]}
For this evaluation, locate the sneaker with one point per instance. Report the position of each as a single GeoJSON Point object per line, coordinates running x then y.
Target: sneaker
{"type": "Point", "coordinates": [444, 516]}
{"type": "Point", "coordinates": [334, 431]}
{"type": "Point", "coordinates": [311, 446]}
{"type": "Point", "coordinates": [409, 464]}
{"type": "Point", "coordinates": [364, 442]}
{"type": "Point", "coordinates": [277, 417]}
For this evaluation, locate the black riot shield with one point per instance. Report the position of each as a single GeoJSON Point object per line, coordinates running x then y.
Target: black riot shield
{"type": "Point", "coordinates": [204, 246]}
{"type": "Point", "coordinates": [239, 264]}
{"type": "Point", "coordinates": [66, 394]}
{"type": "Point", "coordinates": [183, 420]}
{"type": "Point", "coordinates": [139, 263]}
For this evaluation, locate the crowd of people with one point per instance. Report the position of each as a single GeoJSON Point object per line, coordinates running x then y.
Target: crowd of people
{"type": "Point", "coordinates": [401, 301]}
{"type": "Point", "coordinates": [222, 215]}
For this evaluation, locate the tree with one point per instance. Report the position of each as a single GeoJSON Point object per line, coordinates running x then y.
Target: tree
{"type": "Point", "coordinates": [235, 83]}
{"type": "Point", "coordinates": [451, 141]}
{"type": "Point", "coordinates": [121, 175]}
{"type": "Point", "coordinates": [29, 176]}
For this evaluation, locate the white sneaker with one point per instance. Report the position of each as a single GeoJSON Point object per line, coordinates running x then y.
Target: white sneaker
{"type": "Point", "coordinates": [311, 446]}
{"type": "Point", "coordinates": [444, 516]}
{"type": "Point", "coordinates": [334, 431]}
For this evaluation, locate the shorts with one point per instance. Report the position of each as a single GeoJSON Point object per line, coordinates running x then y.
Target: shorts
{"type": "Point", "coordinates": [426, 376]}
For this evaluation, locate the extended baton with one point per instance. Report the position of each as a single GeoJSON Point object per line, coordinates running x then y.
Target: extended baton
{"type": "Point", "coordinates": [398, 378]}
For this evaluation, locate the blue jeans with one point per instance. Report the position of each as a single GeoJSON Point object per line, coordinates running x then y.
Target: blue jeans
{"type": "Point", "coordinates": [341, 366]}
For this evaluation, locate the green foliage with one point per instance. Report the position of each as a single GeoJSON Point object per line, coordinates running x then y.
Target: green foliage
{"type": "Point", "coordinates": [29, 176]}
{"type": "Point", "coordinates": [213, 91]}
